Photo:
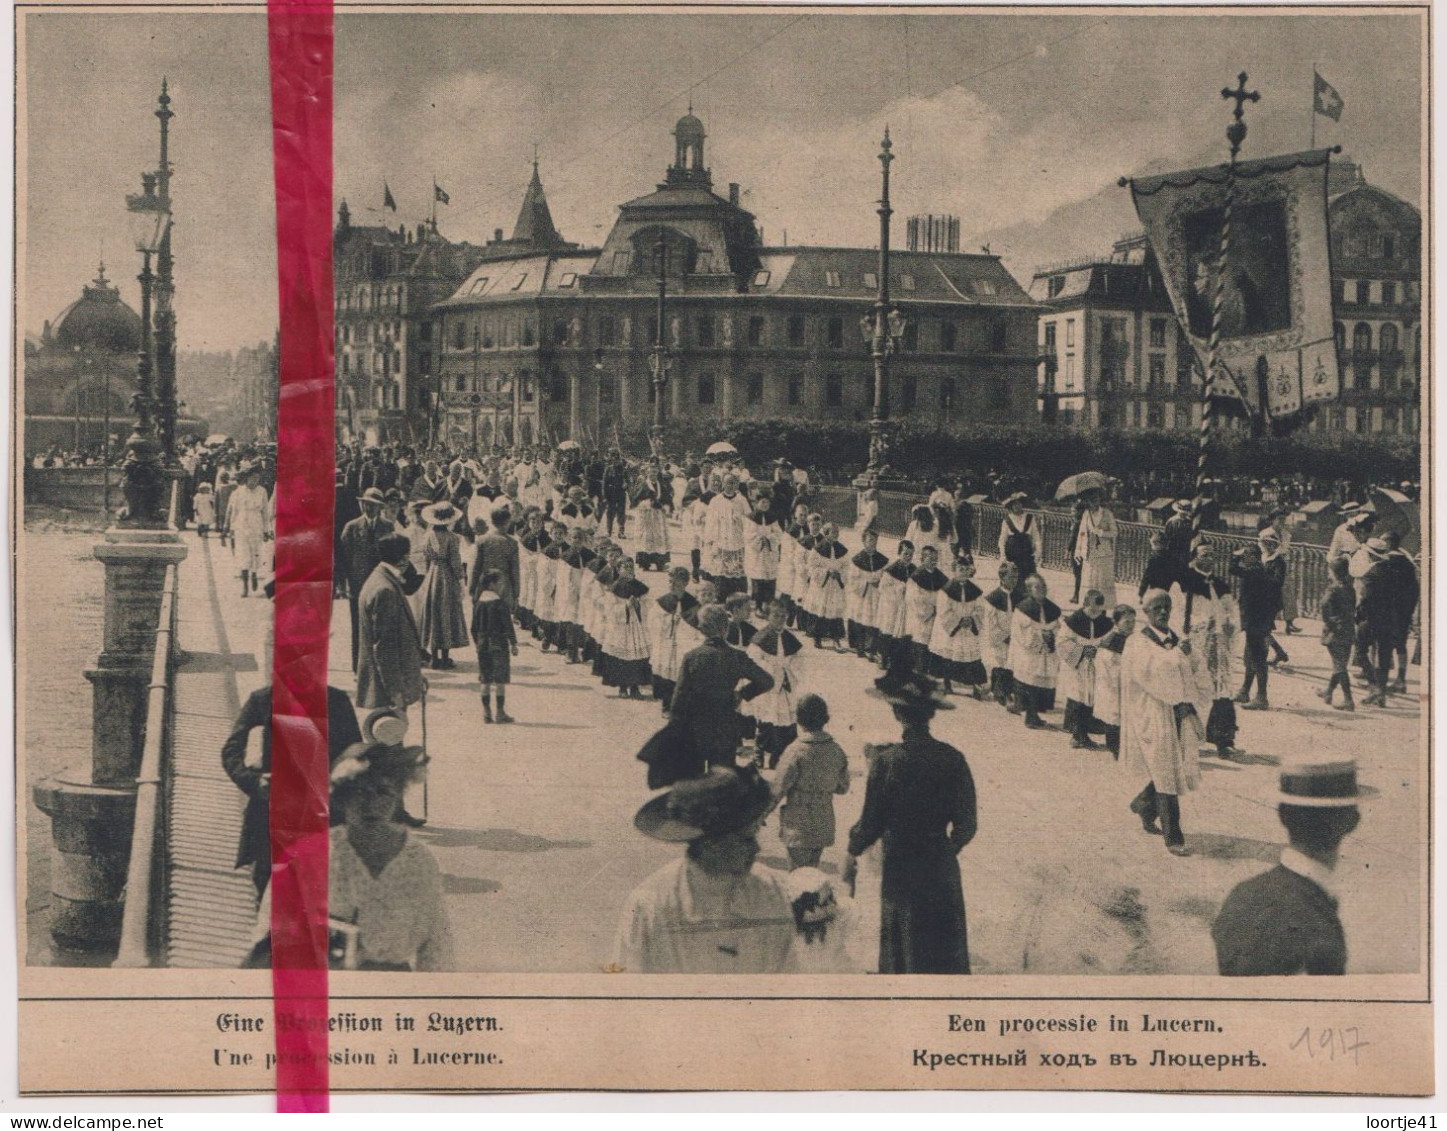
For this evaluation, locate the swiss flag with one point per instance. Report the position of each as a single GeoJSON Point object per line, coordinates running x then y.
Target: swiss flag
{"type": "Point", "coordinates": [1327, 101]}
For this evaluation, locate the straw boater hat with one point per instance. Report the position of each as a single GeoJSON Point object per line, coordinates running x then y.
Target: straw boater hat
{"type": "Point", "coordinates": [440, 514]}
{"type": "Point", "coordinates": [1183, 506]}
{"type": "Point", "coordinates": [1331, 784]}
{"type": "Point", "coordinates": [372, 495]}
{"type": "Point", "coordinates": [1017, 497]}
{"type": "Point", "coordinates": [722, 801]}
{"type": "Point", "coordinates": [1359, 517]}
{"type": "Point", "coordinates": [386, 726]}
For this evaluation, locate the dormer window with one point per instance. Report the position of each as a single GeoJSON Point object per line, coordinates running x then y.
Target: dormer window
{"type": "Point", "coordinates": [871, 281]}
{"type": "Point", "coordinates": [568, 279]}
{"type": "Point", "coordinates": [906, 282]}
{"type": "Point", "coordinates": [987, 286]}
{"type": "Point", "coordinates": [479, 286]}
{"type": "Point", "coordinates": [831, 278]}
{"type": "Point", "coordinates": [761, 278]}
{"type": "Point", "coordinates": [521, 279]}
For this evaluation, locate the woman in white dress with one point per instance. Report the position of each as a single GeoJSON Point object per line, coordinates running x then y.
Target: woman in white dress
{"type": "Point", "coordinates": [384, 898]}
{"type": "Point", "coordinates": [1095, 546]}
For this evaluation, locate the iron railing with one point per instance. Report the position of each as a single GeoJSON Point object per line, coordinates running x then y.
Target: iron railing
{"type": "Point", "coordinates": [140, 925]}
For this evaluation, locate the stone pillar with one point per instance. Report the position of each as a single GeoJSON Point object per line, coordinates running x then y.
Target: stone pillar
{"type": "Point", "coordinates": [675, 391]}
{"type": "Point", "coordinates": [92, 809]}
{"type": "Point", "coordinates": [625, 394]}
{"type": "Point", "coordinates": [575, 407]}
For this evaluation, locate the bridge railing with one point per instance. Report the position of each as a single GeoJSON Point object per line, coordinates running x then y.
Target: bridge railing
{"type": "Point", "coordinates": [142, 917]}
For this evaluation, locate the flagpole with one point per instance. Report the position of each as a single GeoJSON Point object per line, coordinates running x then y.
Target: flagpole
{"type": "Point", "coordinates": [1235, 135]}
{"type": "Point", "coordinates": [1313, 106]}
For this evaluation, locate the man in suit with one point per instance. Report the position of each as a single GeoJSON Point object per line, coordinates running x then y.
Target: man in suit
{"type": "Point", "coordinates": [1285, 921]}
{"type": "Point", "coordinates": [346, 509]}
{"type": "Point", "coordinates": [498, 550]}
{"type": "Point", "coordinates": [706, 701]}
{"type": "Point", "coordinates": [254, 849]}
{"type": "Point", "coordinates": [359, 542]}
{"type": "Point", "coordinates": [615, 494]}
{"type": "Point", "coordinates": [389, 661]}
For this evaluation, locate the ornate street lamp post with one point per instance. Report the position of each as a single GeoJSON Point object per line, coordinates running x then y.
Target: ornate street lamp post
{"type": "Point", "coordinates": [166, 407]}
{"type": "Point", "coordinates": [883, 328]}
{"type": "Point", "coordinates": [142, 475]}
{"type": "Point", "coordinates": [660, 359]}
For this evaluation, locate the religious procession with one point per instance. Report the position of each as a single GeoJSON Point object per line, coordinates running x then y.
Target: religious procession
{"type": "Point", "coordinates": [722, 695]}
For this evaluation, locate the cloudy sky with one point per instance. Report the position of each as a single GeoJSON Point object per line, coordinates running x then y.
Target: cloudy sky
{"type": "Point", "coordinates": [1020, 124]}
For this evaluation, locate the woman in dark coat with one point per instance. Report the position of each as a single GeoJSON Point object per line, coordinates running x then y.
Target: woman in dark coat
{"type": "Point", "coordinates": [920, 801]}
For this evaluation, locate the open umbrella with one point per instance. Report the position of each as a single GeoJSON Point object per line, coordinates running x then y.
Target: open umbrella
{"type": "Point", "coordinates": [1079, 483]}
{"type": "Point", "coordinates": [216, 439]}
{"type": "Point", "coordinates": [1395, 511]}
{"type": "Point", "coordinates": [722, 448]}
{"type": "Point", "coordinates": [568, 446]}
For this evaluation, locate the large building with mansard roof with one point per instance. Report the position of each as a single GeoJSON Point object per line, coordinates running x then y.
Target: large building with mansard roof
{"type": "Point", "coordinates": [555, 341]}
{"type": "Point", "coordinates": [1113, 357]}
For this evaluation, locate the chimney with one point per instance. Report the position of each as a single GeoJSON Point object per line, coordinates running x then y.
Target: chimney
{"type": "Point", "coordinates": [497, 235]}
{"type": "Point", "coordinates": [421, 232]}
{"type": "Point", "coordinates": [734, 193]}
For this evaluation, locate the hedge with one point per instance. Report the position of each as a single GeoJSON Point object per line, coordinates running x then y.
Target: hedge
{"type": "Point", "coordinates": [1033, 451]}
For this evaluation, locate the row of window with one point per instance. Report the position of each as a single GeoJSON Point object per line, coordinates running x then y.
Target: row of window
{"type": "Point", "coordinates": [371, 297]}
{"type": "Point", "coordinates": [1367, 243]}
{"type": "Point", "coordinates": [1365, 292]}
{"type": "Point", "coordinates": [1389, 341]}
{"type": "Point", "coordinates": [1389, 419]}
{"type": "Point", "coordinates": [705, 331]}
{"type": "Point", "coordinates": [384, 363]}
{"type": "Point", "coordinates": [390, 330]}
{"type": "Point", "coordinates": [835, 392]}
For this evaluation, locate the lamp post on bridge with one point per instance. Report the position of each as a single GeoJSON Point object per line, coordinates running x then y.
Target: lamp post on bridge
{"type": "Point", "coordinates": [659, 361]}
{"type": "Point", "coordinates": [142, 474]}
{"type": "Point", "coordinates": [166, 405]}
{"type": "Point", "coordinates": [883, 328]}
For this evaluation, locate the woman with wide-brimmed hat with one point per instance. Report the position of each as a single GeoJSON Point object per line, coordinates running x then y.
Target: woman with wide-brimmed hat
{"type": "Point", "coordinates": [384, 891]}
{"type": "Point", "coordinates": [920, 803]}
{"type": "Point", "coordinates": [384, 881]}
{"type": "Point", "coordinates": [443, 621]}
{"type": "Point", "coordinates": [710, 911]}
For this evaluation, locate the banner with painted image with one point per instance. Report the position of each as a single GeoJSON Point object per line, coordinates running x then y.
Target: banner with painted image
{"type": "Point", "coordinates": [1277, 352]}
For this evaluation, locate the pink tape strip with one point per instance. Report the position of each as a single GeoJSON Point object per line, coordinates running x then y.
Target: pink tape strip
{"type": "Point", "coordinates": [301, 110]}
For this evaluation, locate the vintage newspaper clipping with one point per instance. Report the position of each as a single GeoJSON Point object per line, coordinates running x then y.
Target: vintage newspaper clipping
{"type": "Point", "coordinates": [802, 616]}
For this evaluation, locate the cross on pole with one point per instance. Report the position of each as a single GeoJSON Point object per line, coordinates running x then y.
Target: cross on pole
{"type": "Point", "coordinates": [1236, 131]}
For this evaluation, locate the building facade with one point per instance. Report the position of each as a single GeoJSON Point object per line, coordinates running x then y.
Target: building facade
{"type": "Point", "coordinates": [1376, 244]}
{"type": "Point", "coordinates": [386, 282]}
{"type": "Point", "coordinates": [559, 343]}
{"type": "Point", "coordinates": [1113, 356]}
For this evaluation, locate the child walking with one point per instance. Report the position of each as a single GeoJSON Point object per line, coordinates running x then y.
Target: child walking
{"type": "Point", "coordinates": [496, 641]}
{"type": "Point", "coordinates": [1338, 631]}
{"type": "Point", "coordinates": [814, 768]}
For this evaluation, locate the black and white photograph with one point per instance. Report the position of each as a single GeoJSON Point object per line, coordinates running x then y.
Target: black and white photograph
{"type": "Point", "coordinates": [782, 522]}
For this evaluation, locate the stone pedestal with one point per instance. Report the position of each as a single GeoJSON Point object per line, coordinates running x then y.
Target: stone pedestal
{"type": "Point", "coordinates": [91, 826]}
{"type": "Point", "coordinates": [92, 809]}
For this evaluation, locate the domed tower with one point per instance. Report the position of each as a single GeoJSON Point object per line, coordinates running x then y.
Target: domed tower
{"type": "Point", "coordinates": [99, 321]}
{"type": "Point", "coordinates": [688, 164]}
